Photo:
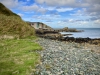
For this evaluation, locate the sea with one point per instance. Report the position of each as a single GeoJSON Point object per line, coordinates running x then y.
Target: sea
{"type": "Point", "coordinates": [92, 33]}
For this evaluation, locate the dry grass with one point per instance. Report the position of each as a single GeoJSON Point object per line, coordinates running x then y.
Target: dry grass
{"type": "Point", "coordinates": [13, 25]}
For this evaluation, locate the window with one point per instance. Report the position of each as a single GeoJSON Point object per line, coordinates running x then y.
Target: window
{"type": "Point", "coordinates": [37, 25]}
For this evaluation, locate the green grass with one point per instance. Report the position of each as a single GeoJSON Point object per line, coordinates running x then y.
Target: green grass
{"type": "Point", "coordinates": [18, 57]}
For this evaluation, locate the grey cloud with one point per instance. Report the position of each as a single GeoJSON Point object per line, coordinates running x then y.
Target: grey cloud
{"type": "Point", "coordinates": [56, 2]}
{"type": "Point", "coordinates": [91, 1]}
{"type": "Point", "coordinates": [30, 8]}
{"type": "Point", "coordinates": [92, 6]}
{"type": "Point", "coordinates": [12, 3]}
{"type": "Point", "coordinates": [71, 20]}
{"type": "Point", "coordinates": [49, 21]}
{"type": "Point", "coordinates": [65, 3]}
{"type": "Point", "coordinates": [34, 8]}
{"type": "Point", "coordinates": [42, 10]}
{"type": "Point", "coordinates": [94, 18]}
{"type": "Point", "coordinates": [66, 20]}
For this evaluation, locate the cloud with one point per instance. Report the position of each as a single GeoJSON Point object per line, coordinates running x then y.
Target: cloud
{"type": "Point", "coordinates": [47, 18]}
{"type": "Point", "coordinates": [94, 18]}
{"type": "Point", "coordinates": [84, 22]}
{"type": "Point", "coordinates": [80, 12]}
{"type": "Point", "coordinates": [20, 14]}
{"type": "Point", "coordinates": [91, 1]}
{"type": "Point", "coordinates": [34, 8]}
{"type": "Point", "coordinates": [93, 10]}
{"type": "Point", "coordinates": [42, 10]}
{"type": "Point", "coordinates": [64, 9]}
{"type": "Point", "coordinates": [56, 2]}
{"type": "Point", "coordinates": [68, 3]}
{"type": "Point", "coordinates": [51, 8]}
{"type": "Point", "coordinates": [49, 21]}
{"type": "Point", "coordinates": [10, 3]}
{"type": "Point", "coordinates": [97, 21]}
{"type": "Point", "coordinates": [59, 9]}
{"type": "Point", "coordinates": [92, 7]}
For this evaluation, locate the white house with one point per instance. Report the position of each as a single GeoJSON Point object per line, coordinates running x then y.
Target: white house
{"type": "Point", "coordinates": [39, 25]}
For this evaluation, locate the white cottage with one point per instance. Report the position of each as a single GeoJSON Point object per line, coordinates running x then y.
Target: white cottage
{"type": "Point", "coordinates": [39, 25]}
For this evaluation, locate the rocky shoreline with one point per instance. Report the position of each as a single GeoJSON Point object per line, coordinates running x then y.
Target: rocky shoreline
{"type": "Point", "coordinates": [67, 58]}
{"type": "Point", "coordinates": [58, 36]}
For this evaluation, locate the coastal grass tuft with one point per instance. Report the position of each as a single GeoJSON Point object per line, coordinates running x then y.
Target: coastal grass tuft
{"type": "Point", "coordinates": [18, 56]}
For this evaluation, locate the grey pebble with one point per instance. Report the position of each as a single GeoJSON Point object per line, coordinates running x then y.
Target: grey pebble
{"type": "Point", "coordinates": [61, 58]}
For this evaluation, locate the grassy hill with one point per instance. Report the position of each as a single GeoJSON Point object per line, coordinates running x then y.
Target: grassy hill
{"type": "Point", "coordinates": [12, 24]}
{"type": "Point", "coordinates": [17, 56]}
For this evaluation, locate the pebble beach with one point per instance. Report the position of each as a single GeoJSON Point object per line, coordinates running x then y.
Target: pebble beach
{"type": "Point", "coordinates": [67, 58]}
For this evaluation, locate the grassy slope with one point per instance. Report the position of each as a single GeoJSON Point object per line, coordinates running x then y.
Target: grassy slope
{"type": "Point", "coordinates": [12, 24]}
{"type": "Point", "coordinates": [18, 57]}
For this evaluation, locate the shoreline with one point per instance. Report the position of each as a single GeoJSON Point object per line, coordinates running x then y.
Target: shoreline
{"type": "Point", "coordinates": [60, 37]}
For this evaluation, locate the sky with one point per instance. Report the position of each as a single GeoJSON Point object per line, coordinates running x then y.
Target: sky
{"type": "Point", "coordinates": [58, 13]}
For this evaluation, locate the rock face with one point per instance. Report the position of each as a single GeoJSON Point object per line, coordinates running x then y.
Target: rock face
{"type": "Point", "coordinates": [43, 32]}
{"type": "Point", "coordinates": [63, 58]}
{"type": "Point", "coordinates": [58, 36]}
{"type": "Point", "coordinates": [53, 36]}
{"type": "Point", "coordinates": [65, 37]}
{"type": "Point", "coordinates": [78, 40]}
{"type": "Point", "coordinates": [65, 29]}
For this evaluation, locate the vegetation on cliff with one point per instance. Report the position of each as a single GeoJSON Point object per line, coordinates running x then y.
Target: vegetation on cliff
{"type": "Point", "coordinates": [12, 24]}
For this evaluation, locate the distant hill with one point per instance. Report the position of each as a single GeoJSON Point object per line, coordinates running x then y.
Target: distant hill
{"type": "Point", "coordinates": [12, 24]}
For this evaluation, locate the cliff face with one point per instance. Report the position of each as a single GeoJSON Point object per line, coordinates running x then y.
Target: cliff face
{"type": "Point", "coordinates": [12, 24]}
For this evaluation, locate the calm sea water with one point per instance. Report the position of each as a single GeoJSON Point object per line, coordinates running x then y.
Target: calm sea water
{"type": "Point", "coordinates": [88, 32]}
